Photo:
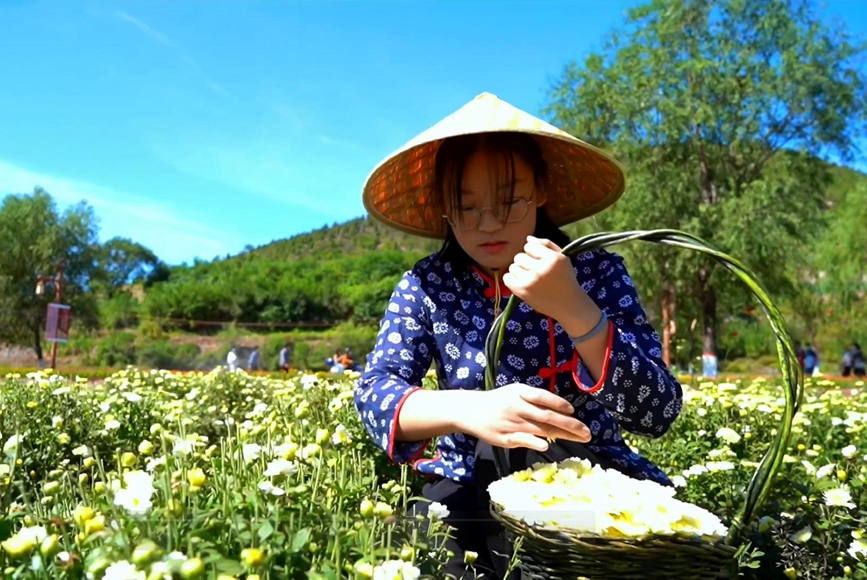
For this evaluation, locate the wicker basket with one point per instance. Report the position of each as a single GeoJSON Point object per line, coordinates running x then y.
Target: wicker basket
{"type": "Point", "coordinates": [547, 553]}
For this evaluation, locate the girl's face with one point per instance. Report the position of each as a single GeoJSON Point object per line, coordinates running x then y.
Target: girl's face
{"type": "Point", "coordinates": [492, 221]}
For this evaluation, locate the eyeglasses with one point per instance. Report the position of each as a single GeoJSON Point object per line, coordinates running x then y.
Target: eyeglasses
{"type": "Point", "coordinates": [469, 219]}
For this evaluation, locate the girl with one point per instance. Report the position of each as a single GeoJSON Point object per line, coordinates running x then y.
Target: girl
{"type": "Point", "coordinates": [579, 360]}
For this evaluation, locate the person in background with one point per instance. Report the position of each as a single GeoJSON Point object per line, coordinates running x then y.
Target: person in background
{"type": "Point", "coordinates": [811, 361]}
{"type": "Point", "coordinates": [283, 362]}
{"type": "Point", "coordinates": [334, 365]}
{"type": "Point", "coordinates": [348, 360]}
{"type": "Point", "coordinates": [253, 361]}
{"type": "Point", "coordinates": [847, 362]}
{"type": "Point", "coordinates": [859, 365]}
{"type": "Point", "coordinates": [232, 359]}
{"type": "Point", "coordinates": [800, 355]}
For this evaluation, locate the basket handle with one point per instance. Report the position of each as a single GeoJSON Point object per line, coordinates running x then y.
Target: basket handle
{"type": "Point", "coordinates": [793, 375]}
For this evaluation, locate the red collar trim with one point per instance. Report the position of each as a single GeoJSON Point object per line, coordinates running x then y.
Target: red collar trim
{"type": "Point", "coordinates": [490, 291]}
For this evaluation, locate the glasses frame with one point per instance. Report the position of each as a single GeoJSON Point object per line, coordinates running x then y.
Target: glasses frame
{"type": "Point", "coordinates": [480, 210]}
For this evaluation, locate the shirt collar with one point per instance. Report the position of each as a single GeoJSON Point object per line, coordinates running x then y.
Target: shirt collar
{"type": "Point", "coordinates": [487, 284]}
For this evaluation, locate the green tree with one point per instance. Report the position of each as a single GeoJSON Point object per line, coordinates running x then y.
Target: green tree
{"type": "Point", "coordinates": [720, 110]}
{"type": "Point", "coordinates": [35, 236]}
{"type": "Point", "coordinates": [842, 252]}
{"type": "Point", "coordinates": [121, 261]}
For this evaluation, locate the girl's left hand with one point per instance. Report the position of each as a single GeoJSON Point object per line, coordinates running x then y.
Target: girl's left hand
{"type": "Point", "coordinates": [543, 277]}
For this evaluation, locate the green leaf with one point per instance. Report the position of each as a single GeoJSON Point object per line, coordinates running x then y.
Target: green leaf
{"type": "Point", "coordinates": [300, 540]}
{"type": "Point", "coordinates": [228, 566]}
{"type": "Point", "coordinates": [326, 573]}
{"type": "Point", "coordinates": [265, 531]}
{"type": "Point", "coordinates": [6, 527]}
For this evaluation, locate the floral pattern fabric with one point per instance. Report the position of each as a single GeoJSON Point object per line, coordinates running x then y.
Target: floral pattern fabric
{"type": "Point", "coordinates": [438, 316]}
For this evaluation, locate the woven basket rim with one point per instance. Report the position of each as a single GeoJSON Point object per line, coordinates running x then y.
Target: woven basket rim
{"type": "Point", "coordinates": [581, 536]}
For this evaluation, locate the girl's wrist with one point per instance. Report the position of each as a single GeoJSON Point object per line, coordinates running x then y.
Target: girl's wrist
{"type": "Point", "coordinates": [582, 317]}
{"type": "Point", "coordinates": [599, 327]}
{"type": "Point", "coordinates": [428, 413]}
{"type": "Point", "coordinates": [465, 410]}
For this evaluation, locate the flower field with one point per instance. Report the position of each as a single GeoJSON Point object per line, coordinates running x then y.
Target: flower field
{"type": "Point", "coordinates": [151, 475]}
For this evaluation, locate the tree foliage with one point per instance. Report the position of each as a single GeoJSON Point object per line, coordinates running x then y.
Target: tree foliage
{"type": "Point", "coordinates": [721, 111]}
{"type": "Point", "coordinates": [35, 237]}
{"type": "Point", "coordinates": [120, 262]}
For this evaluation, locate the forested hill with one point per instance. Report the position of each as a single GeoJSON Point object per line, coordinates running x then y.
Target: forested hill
{"type": "Point", "coordinates": [358, 236]}
{"type": "Point", "coordinates": [341, 272]}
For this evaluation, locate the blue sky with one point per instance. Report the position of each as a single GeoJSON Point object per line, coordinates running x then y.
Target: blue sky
{"type": "Point", "coordinates": [197, 128]}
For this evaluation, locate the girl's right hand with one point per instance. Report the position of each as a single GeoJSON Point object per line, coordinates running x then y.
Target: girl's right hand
{"type": "Point", "coordinates": [519, 415]}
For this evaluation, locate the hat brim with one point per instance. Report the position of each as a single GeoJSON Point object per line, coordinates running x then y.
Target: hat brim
{"type": "Point", "coordinates": [583, 180]}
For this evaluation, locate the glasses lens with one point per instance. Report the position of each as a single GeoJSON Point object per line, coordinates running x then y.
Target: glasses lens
{"type": "Point", "coordinates": [470, 218]}
{"type": "Point", "coordinates": [518, 211]}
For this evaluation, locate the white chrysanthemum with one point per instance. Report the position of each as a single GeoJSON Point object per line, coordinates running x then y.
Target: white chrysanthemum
{"type": "Point", "coordinates": [11, 445]}
{"type": "Point", "coordinates": [82, 451]}
{"type": "Point", "coordinates": [838, 497]}
{"type": "Point", "coordinates": [154, 463]}
{"type": "Point", "coordinates": [437, 511]}
{"type": "Point", "coordinates": [280, 467]}
{"type": "Point", "coordinates": [307, 381]}
{"type": "Point", "coordinates": [251, 451]}
{"type": "Point", "coordinates": [858, 549]}
{"type": "Point", "coordinates": [728, 435]}
{"type": "Point", "coordinates": [720, 465]}
{"type": "Point", "coordinates": [269, 488]}
{"type": "Point", "coordinates": [396, 570]}
{"type": "Point", "coordinates": [34, 534]}
{"type": "Point", "coordinates": [136, 494]}
{"type": "Point", "coordinates": [340, 435]}
{"type": "Point", "coordinates": [123, 570]}
{"type": "Point", "coordinates": [826, 470]}
{"type": "Point", "coordinates": [132, 397]}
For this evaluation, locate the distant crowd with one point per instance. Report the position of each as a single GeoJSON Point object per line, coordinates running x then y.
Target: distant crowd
{"type": "Point", "coordinates": [853, 362]}
{"type": "Point", "coordinates": [341, 361]}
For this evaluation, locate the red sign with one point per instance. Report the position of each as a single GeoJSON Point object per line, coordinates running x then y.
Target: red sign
{"type": "Point", "coordinates": [57, 323]}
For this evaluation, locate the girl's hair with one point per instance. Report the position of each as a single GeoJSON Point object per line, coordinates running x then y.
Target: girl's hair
{"type": "Point", "coordinates": [450, 161]}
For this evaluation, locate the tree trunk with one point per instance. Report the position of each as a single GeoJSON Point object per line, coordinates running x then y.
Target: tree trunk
{"type": "Point", "coordinates": [708, 310]}
{"type": "Point", "coordinates": [669, 327]}
{"type": "Point", "coordinates": [37, 342]}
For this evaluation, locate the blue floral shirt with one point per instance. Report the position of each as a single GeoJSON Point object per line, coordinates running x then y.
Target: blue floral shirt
{"type": "Point", "coordinates": [436, 315]}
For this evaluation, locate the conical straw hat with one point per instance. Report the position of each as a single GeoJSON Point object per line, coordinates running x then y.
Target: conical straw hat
{"type": "Point", "coordinates": [400, 190]}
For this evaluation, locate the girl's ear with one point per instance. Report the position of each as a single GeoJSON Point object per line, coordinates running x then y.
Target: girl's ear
{"type": "Point", "coordinates": [541, 197]}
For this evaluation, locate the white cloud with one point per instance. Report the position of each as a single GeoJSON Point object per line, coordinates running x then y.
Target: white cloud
{"type": "Point", "coordinates": [174, 239]}
{"type": "Point", "coordinates": [182, 52]}
{"type": "Point", "coordinates": [326, 140]}
{"type": "Point", "coordinates": [272, 171]}
{"type": "Point", "coordinates": [147, 30]}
